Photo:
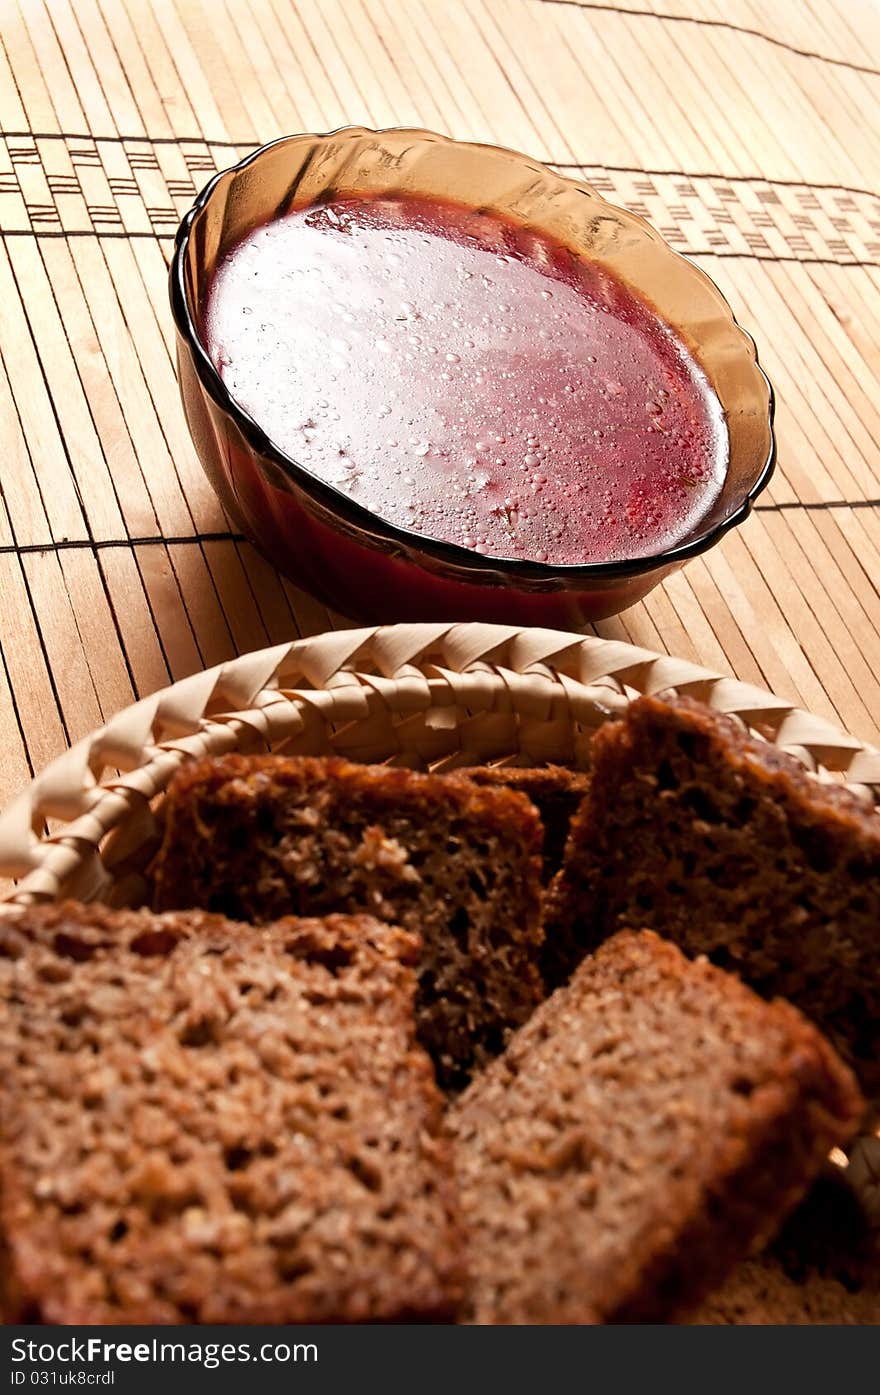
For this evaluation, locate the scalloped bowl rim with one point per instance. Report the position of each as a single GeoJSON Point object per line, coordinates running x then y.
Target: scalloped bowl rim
{"type": "Point", "coordinates": [482, 567]}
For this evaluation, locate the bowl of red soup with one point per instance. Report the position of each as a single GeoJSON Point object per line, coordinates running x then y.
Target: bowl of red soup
{"type": "Point", "coordinates": [436, 380]}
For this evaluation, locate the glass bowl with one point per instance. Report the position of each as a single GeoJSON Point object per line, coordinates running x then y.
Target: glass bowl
{"type": "Point", "coordinates": [320, 537]}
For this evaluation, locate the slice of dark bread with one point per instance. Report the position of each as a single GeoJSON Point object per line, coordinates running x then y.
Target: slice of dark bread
{"type": "Point", "coordinates": [255, 838]}
{"type": "Point", "coordinates": [760, 1293]}
{"type": "Point", "coordinates": [652, 1122]}
{"type": "Point", "coordinates": [727, 846]}
{"type": "Point", "coordinates": [555, 791]}
{"type": "Point", "coordinates": [822, 1267]}
{"type": "Point", "coordinates": [208, 1122]}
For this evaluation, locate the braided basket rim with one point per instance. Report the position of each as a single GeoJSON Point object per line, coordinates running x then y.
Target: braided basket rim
{"type": "Point", "coordinates": [430, 696]}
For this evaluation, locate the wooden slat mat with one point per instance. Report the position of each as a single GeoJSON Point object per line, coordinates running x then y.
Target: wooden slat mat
{"type": "Point", "coordinates": [746, 132]}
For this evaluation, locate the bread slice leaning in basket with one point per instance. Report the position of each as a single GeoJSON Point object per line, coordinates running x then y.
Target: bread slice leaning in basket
{"type": "Point", "coordinates": [210, 1122]}
{"type": "Point", "coordinates": [727, 846]}
{"type": "Point", "coordinates": [824, 1265]}
{"type": "Point", "coordinates": [555, 791]}
{"type": "Point", "coordinates": [651, 1122]}
{"type": "Point", "coordinates": [258, 837]}
{"type": "Point", "coordinates": [761, 1293]}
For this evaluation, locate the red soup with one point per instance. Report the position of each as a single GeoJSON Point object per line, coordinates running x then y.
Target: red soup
{"type": "Point", "coordinates": [468, 379]}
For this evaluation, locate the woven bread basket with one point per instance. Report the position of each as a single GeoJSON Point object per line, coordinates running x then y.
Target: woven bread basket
{"type": "Point", "coordinates": [424, 696]}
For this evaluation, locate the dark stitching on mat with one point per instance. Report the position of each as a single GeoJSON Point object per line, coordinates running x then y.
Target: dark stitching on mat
{"type": "Point", "coordinates": [157, 540]}
{"type": "Point", "coordinates": [721, 178]}
{"type": "Point", "coordinates": [717, 24]}
{"type": "Point", "coordinates": [819, 505]}
{"type": "Point", "coordinates": [99, 544]}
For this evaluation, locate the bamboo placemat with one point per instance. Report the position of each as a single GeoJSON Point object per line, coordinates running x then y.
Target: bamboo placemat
{"type": "Point", "coordinates": [746, 132]}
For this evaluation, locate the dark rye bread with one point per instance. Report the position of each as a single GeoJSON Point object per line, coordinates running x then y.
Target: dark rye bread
{"type": "Point", "coordinates": [255, 838]}
{"type": "Point", "coordinates": [555, 791]}
{"type": "Point", "coordinates": [725, 845]}
{"type": "Point", "coordinates": [215, 1123]}
{"type": "Point", "coordinates": [651, 1123]}
{"type": "Point", "coordinates": [760, 1293]}
{"type": "Point", "coordinates": [823, 1267]}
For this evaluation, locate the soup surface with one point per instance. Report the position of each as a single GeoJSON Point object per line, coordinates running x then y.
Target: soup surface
{"type": "Point", "coordinates": [468, 379]}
